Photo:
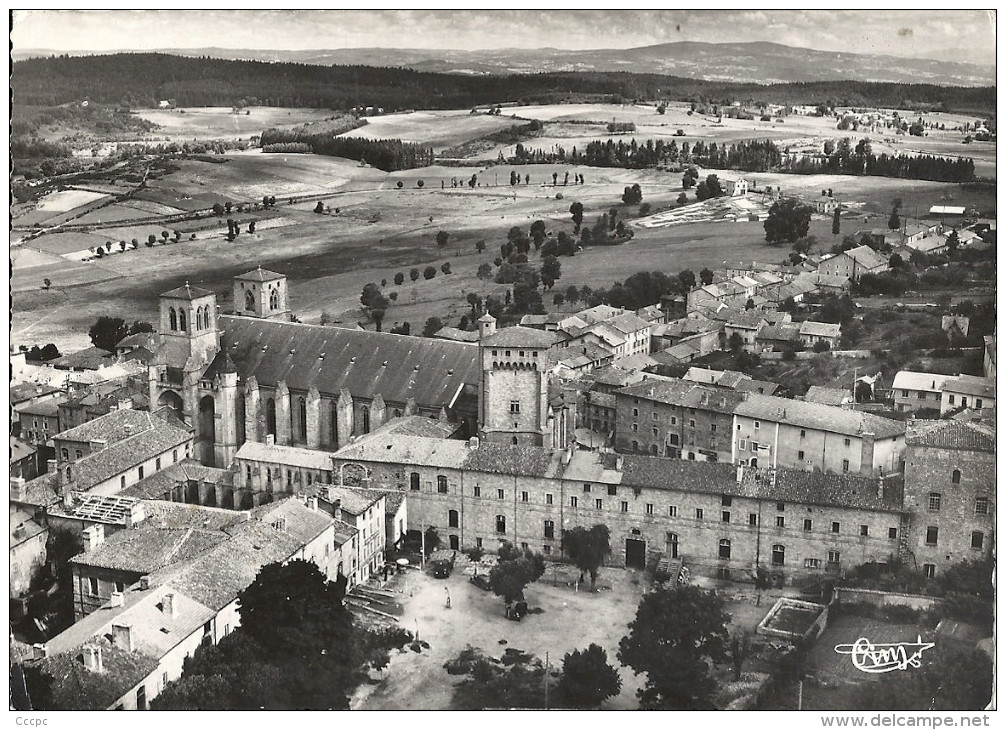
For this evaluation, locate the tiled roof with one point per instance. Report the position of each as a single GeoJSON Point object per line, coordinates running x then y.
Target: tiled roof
{"type": "Point", "coordinates": [300, 523]}
{"type": "Point", "coordinates": [597, 314]}
{"type": "Point", "coordinates": [817, 416]}
{"type": "Point", "coordinates": [123, 454]}
{"type": "Point", "coordinates": [187, 292]}
{"type": "Point", "coordinates": [20, 449]}
{"type": "Point", "coordinates": [49, 407]}
{"type": "Point", "coordinates": [393, 498]}
{"type": "Point", "coordinates": [962, 435]}
{"type": "Point", "coordinates": [159, 484]}
{"type": "Point", "coordinates": [74, 687]}
{"type": "Point", "coordinates": [113, 427]}
{"type": "Point", "coordinates": [27, 391]}
{"type": "Point", "coordinates": [102, 395]}
{"type": "Point", "coordinates": [971, 385]}
{"type": "Point", "coordinates": [146, 549]}
{"type": "Point", "coordinates": [23, 527]}
{"type": "Point", "coordinates": [259, 274]}
{"type": "Point", "coordinates": [820, 329]}
{"type": "Point", "coordinates": [90, 358]}
{"type": "Point", "coordinates": [397, 367]}
{"type": "Point", "coordinates": [866, 257]}
{"type": "Point", "coordinates": [627, 323]}
{"type": "Point", "coordinates": [827, 396]}
{"type": "Point", "coordinates": [685, 393]}
{"type": "Point", "coordinates": [286, 455]}
{"type": "Point", "coordinates": [930, 382]}
{"type": "Point", "coordinates": [613, 375]}
{"type": "Point", "coordinates": [780, 332]}
{"type": "Point", "coordinates": [418, 426]}
{"type": "Point", "coordinates": [750, 385]}
{"type": "Point", "coordinates": [530, 461]}
{"type": "Point", "coordinates": [41, 491]}
{"type": "Point", "coordinates": [520, 337]}
{"type": "Point", "coordinates": [146, 340]}
{"type": "Point", "coordinates": [458, 335]}
{"type": "Point", "coordinates": [179, 515]}
{"type": "Point", "coordinates": [394, 449]}
{"type": "Point", "coordinates": [354, 501]}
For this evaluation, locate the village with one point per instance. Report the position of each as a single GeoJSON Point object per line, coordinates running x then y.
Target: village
{"type": "Point", "coordinates": [537, 398]}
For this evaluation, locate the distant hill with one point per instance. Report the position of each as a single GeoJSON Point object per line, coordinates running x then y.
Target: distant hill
{"type": "Point", "coordinates": [760, 62]}
{"type": "Point", "coordinates": [143, 79]}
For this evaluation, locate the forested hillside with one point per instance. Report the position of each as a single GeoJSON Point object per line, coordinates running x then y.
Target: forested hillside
{"type": "Point", "coordinates": [144, 79]}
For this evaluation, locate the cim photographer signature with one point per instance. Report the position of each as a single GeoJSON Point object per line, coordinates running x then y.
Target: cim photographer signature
{"type": "Point", "coordinates": [880, 658]}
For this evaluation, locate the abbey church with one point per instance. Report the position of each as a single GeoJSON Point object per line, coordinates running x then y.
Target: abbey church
{"type": "Point", "coordinates": [254, 373]}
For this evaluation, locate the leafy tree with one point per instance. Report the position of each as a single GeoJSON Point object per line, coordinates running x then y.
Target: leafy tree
{"type": "Point", "coordinates": [803, 245]}
{"type": "Point", "coordinates": [735, 342]}
{"type": "Point", "coordinates": [894, 222]}
{"type": "Point", "coordinates": [107, 331]}
{"type": "Point", "coordinates": [558, 299]}
{"type": "Point", "coordinates": [399, 278]}
{"type": "Point", "coordinates": [372, 298]}
{"type": "Point", "coordinates": [429, 272]}
{"type": "Point", "coordinates": [320, 207]}
{"type": "Point", "coordinates": [538, 233]}
{"type": "Point", "coordinates": [687, 279]}
{"type": "Point", "coordinates": [151, 240]}
{"type": "Point", "coordinates": [788, 219]}
{"type": "Point", "coordinates": [709, 188]}
{"type": "Point", "coordinates": [576, 211]}
{"type": "Point", "coordinates": [632, 195]}
{"type": "Point", "coordinates": [953, 241]}
{"type": "Point", "coordinates": [485, 272]}
{"type": "Point", "coordinates": [551, 270]}
{"type": "Point", "coordinates": [673, 639]}
{"type": "Point", "coordinates": [682, 198]}
{"type": "Point", "coordinates": [706, 276]}
{"type": "Point", "coordinates": [836, 222]}
{"type": "Point", "coordinates": [480, 246]}
{"type": "Point", "coordinates": [572, 294]}
{"type": "Point", "coordinates": [138, 327]}
{"type": "Point", "coordinates": [446, 267]}
{"type": "Point", "coordinates": [442, 237]}
{"type": "Point", "coordinates": [896, 262]}
{"type": "Point", "coordinates": [588, 548]}
{"type": "Point", "coordinates": [432, 326]}
{"type": "Point", "coordinates": [587, 678]}
{"type": "Point", "coordinates": [414, 274]}
{"type": "Point", "coordinates": [526, 298]}
{"type": "Point", "coordinates": [514, 570]}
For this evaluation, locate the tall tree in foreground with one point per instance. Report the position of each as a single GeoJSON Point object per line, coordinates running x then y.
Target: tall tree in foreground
{"type": "Point", "coordinates": [514, 570]}
{"type": "Point", "coordinates": [588, 548]}
{"type": "Point", "coordinates": [676, 635]}
{"type": "Point", "coordinates": [587, 678]}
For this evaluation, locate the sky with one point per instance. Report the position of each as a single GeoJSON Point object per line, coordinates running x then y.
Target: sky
{"type": "Point", "coordinates": [963, 35]}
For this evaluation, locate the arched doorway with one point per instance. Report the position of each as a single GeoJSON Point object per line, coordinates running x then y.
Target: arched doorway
{"type": "Point", "coordinates": [205, 431]}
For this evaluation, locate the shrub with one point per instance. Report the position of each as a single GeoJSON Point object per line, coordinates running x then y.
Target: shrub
{"type": "Point", "coordinates": [429, 272]}
{"type": "Point", "coordinates": [821, 346]}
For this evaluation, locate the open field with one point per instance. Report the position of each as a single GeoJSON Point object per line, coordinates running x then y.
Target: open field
{"type": "Point", "coordinates": [219, 122]}
{"type": "Point", "coordinates": [376, 229]}
{"type": "Point", "coordinates": [438, 129]}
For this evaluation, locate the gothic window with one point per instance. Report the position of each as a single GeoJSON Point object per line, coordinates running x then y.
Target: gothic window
{"type": "Point", "coordinates": [249, 300]}
{"type": "Point", "coordinates": [270, 416]}
{"type": "Point", "coordinates": [172, 319]}
{"type": "Point", "coordinates": [366, 419]}
{"type": "Point", "coordinates": [181, 320]}
{"type": "Point", "coordinates": [274, 299]}
{"type": "Point", "coordinates": [302, 417]}
{"type": "Point", "coordinates": [334, 438]}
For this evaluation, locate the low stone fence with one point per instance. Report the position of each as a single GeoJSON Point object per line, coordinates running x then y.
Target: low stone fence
{"type": "Point", "coordinates": [882, 599]}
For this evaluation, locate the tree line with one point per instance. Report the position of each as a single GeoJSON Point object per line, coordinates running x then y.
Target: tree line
{"type": "Point", "coordinates": [143, 79]}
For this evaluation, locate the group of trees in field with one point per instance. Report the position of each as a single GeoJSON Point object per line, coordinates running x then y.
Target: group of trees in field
{"type": "Point", "coordinates": [384, 154]}
{"type": "Point", "coordinates": [844, 158]}
{"type": "Point", "coordinates": [106, 332]}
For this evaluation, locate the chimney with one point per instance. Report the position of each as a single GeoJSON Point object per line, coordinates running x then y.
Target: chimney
{"type": "Point", "coordinates": [168, 604]}
{"type": "Point", "coordinates": [92, 658]}
{"type": "Point", "coordinates": [866, 460]}
{"type": "Point", "coordinates": [330, 494]}
{"type": "Point", "coordinates": [93, 537]}
{"type": "Point", "coordinates": [16, 489]}
{"type": "Point", "coordinates": [312, 503]}
{"type": "Point", "coordinates": [39, 651]}
{"type": "Point", "coordinates": [125, 404]}
{"type": "Point", "coordinates": [144, 582]}
{"type": "Point", "coordinates": [618, 462]}
{"type": "Point", "coordinates": [19, 531]}
{"type": "Point", "coordinates": [50, 466]}
{"type": "Point", "coordinates": [135, 515]}
{"type": "Point", "coordinates": [270, 439]}
{"type": "Point", "coordinates": [118, 600]}
{"type": "Point", "coordinates": [473, 443]}
{"type": "Point", "coordinates": [97, 445]}
{"type": "Point", "coordinates": [740, 473]}
{"type": "Point", "coordinates": [122, 636]}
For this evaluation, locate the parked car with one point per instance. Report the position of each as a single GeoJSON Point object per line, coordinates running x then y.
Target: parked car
{"type": "Point", "coordinates": [443, 568]}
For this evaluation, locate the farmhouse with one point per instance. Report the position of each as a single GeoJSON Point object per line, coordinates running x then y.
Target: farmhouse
{"type": "Point", "coordinates": [968, 391]}
{"type": "Point", "coordinates": [853, 263]}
